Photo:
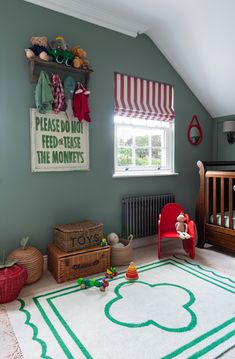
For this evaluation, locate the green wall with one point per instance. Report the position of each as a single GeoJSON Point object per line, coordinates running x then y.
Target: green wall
{"type": "Point", "coordinates": [32, 203]}
{"type": "Point", "coordinates": [222, 150]}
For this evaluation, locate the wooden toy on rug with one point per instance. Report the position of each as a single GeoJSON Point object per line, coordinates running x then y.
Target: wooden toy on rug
{"type": "Point", "coordinates": [111, 272]}
{"type": "Point", "coordinates": [85, 283]}
{"type": "Point", "coordinates": [131, 273]}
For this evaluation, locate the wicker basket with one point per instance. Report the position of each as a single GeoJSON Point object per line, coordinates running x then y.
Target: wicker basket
{"type": "Point", "coordinates": [31, 259]}
{"type": "Point", "coordinates": [72, 237]}
{"type": "Point", "coordinates": [122, 255]}
{"type": "Point", "coordinates": [66, 266]}
{"type": "Point", "coordinates": [12, 280]}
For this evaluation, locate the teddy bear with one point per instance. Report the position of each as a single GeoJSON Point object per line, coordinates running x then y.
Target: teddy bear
{"type": "Point", "coordinates": [38, 48]}
{"type": "Point", "coordinates": [182, 227]}
{"type": "Point", "coordinates": [80, 60]}
{"type": "Point", "coordinates": [113, 240]}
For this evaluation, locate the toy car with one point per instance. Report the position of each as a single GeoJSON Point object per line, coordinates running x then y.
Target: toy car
{"type": "Point", "coordinates": [62, 56]}
{"type": "Point", "coordinates": [111, 272]}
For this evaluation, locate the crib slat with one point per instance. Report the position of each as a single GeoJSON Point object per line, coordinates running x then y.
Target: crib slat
{"type": "Point", "coordinates": [230, 203]}
{"type": "Point", "coordinates": [222, 201]}
{"type": "Point", "coordinates": [207, 200]}
{"type": "Point", "coordinates": [214, 200]}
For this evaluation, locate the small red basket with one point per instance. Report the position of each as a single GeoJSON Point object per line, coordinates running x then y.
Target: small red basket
{"type": "Point", "coordinates": [12, 280]}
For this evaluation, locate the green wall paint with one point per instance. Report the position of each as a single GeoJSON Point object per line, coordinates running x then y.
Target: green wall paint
{"type": "Point", "coordinates": [222, 150]}
{"type": "Point", "coordinates": [32, 203]}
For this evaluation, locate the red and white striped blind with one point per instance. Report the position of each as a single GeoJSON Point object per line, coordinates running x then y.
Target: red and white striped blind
{"type": "Point", "coordinates": [145, 99]}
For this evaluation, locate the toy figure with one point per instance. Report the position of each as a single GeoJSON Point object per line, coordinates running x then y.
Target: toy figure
{"type": "Point", "coordinates": [113, 240]}
{"type": "Point", "coordinates": [104, 284]}
{"type": "Point", "coordinates": [182, 227]}
{"type": "Point", "coordinates": [60, 51]}
{"type": "Point", "coordinates": [111, 272]}
{"type": "Point", "coordinates": [103, 242]}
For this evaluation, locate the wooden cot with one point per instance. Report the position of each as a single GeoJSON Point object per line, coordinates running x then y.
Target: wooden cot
{"type": "Point", "coordinates": [215, 209]}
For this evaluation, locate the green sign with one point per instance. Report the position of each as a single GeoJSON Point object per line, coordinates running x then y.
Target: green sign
{"type": "Point", "coordinates": [58, 144]}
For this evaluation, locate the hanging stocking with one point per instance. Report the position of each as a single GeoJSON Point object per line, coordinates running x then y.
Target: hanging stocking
{"type": "Point", "coordinates": [69, 87]}
{"type": "Point", "coordinates": [85, 108]}
{"type": "Point", "coordinates": [80, 106]}
{"type": "Point", "coordinates": [58, 93]}
{"type": "Point", "coordinates": [77, 105]}
{"type": "Point", "coordinates": [69, 109]}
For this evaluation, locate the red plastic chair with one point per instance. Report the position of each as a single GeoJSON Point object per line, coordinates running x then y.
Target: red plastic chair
{"type": "Point", "coordinates": [166, 228]}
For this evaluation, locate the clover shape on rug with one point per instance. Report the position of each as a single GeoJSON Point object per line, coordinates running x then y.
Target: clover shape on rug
{"type": "Point", "coordinates": [140, 304]}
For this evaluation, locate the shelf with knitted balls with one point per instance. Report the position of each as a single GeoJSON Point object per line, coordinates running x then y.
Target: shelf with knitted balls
{"type": "Point", "coordinates": [30, 258]}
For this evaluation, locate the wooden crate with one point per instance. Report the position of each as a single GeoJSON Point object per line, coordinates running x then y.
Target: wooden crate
{"type": "Point", "coordinates": [67, 266]}
{"type": "Point", "coordinates": [72, 237]}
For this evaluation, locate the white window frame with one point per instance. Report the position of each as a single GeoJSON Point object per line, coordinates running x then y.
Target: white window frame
{"type": "Point", "coordinates": [135, 171]}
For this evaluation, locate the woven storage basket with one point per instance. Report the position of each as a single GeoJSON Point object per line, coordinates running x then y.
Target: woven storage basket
{"type": "Point", "coordinates": [12, 280]}
{"type": "Point", "coordinates": [72, 237]}
{"type": "Point", "coordinates": [31, 259]}
{"type": "Point", "coordinates": [122, 255]}
{"type": "Point", "coordinates": [66, 266]}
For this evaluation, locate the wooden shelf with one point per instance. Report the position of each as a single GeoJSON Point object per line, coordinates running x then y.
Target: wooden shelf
{"type": "Point", "coordinates": [36, 62]}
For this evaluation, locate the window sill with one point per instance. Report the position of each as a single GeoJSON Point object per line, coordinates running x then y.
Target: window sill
{"type": "Point", "coordinates": [143, 174]}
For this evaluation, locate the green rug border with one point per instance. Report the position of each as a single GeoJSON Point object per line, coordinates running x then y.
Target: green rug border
{"type": "Point", "coordinates": [141, 268]}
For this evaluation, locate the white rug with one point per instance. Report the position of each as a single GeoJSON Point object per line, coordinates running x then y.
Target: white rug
{"type": "Point", "coordinates": [177, 309]}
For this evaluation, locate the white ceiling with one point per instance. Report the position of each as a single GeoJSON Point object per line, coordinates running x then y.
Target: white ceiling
{"type": "Point", "coordinates": [196, 36]}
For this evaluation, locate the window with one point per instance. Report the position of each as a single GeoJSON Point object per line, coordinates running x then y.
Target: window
{"type": "Point", "coordinates": [144, 126]}
{"type": "Point", "coordinates": [143, 147]}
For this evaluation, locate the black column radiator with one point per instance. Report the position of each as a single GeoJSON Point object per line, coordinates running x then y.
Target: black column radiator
{"type": "Point", "coordinates": [140, 214]}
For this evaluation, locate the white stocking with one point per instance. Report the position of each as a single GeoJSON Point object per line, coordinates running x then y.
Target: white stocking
{"type": "Point", "coordinates": [69, 109]}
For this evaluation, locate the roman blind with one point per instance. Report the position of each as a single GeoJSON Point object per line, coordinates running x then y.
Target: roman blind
{"type": "Point", "coordinates": [144, 99]}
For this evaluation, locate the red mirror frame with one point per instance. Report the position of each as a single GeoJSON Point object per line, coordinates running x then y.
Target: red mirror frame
{"type": "Point", "coordinates": [194, 123]}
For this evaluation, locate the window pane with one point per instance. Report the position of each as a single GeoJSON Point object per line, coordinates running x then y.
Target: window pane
{"type": "Point", "coordinates": [142, 156]}
{"type": "Point", "coordinates": [124, 137]}
{"type": "Point", "coordinates": [125, 141]}
{"type": "Point", "coordinates": [156, 157]}
{"type": "Point", "coordinates": [156, 141]}
{"type": "Point", "coordinates": [124, 156]}
{"type": "Point", "coordinates": [142, 141]}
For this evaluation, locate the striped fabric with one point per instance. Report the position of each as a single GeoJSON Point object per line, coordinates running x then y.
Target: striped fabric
{"type": "Point", "coordinates": [145, 99]}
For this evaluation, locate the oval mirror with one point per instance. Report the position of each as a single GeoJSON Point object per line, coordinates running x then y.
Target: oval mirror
{"type": "Point", "coordinates": [194, 131]}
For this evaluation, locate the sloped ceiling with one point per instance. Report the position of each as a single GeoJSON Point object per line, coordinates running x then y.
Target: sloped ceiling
{"type": "Point", "coordinates": [196, 36]}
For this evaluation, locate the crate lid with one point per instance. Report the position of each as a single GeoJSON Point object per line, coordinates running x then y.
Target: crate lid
{"type": "Point", "coordinates": [59, 253]}
{"type": "Point", "coordinates": [80, 226]}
